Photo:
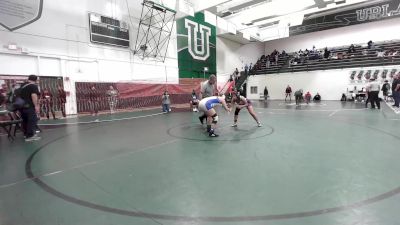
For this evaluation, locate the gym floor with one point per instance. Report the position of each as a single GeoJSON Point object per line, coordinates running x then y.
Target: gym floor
{"type": "Point", "coordinates": [321, 164]}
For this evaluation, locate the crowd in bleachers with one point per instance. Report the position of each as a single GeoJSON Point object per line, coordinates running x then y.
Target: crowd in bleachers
{"type": "Point", "coordinates": [369, 54]}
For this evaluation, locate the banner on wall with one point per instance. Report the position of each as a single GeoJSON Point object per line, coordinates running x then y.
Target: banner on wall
{"type": "Point", "coordinates": [371, 13]}
{"type": "Point", "coordinates": [15, 14]}
{"type": "Point", "coordinates": [196, 41]}
{"type": "Point", "coordinates": [130, 95]}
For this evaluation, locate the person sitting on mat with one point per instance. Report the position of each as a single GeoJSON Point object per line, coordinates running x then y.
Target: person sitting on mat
{"type": "Point", "coordinates": [241, 103]}
{"type": "Point", "coordinates": [317, 97]}
{"type": "Point", "coordinates": [206, 105]}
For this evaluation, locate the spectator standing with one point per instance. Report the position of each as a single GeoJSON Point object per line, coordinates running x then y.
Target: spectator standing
{"type": "Point", "coordinates": [385, 89]}
{"type": "Point", "coordinates": [29, 92]}
{"type": "Point", "coordinates": [298, 96]}
{"type": "Point", "coordinates": [373, 93]}
{"type": "Point", "coordinates": [62, 99]}
{"type": "Point", "coordinates": [308, 97]}
{"type": "Point", "coordinates": [366, 93]}
{"type": "Point", "coordinates": [47, 101]}
{"type": "Point", "coordinates": [94, 101]}
{"type": "Point", "coordinates": [166, 102]}
{"type": "Point", "coordinates": [112, 95]}
{"type": "Point", "coordinates": [2, 98]}
{"type": "Point", "coordinates": [396, 90]}
{"type": "Point", "coordinates": [267, 61]}
{"type": "Point", "coordinates": [265, 93]}
{"type": "Point", "coordinates": [288, 93]}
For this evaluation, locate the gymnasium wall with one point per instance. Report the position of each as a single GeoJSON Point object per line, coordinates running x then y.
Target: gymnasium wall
{"type": "Point", "coordinates": [130, 95]}
{"type": "Point", "coordinates": [231, 55]}
{"type": "Point", "coordinates": [58, 45]}
{"type": "Point", "coordinates": [330, 83]}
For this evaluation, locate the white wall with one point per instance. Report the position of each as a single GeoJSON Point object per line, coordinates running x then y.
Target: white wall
{"type": "Point", "coordinates": [231, 55]}
{"type": "Point", "coordinates": [330, 83]}
{"type": "Point", "coordinates": [357, 34]}
{"type": "Point", "coordinates": [58, 45]}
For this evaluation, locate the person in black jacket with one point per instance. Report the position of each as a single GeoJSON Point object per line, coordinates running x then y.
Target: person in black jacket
{"type": "Point", "coordinates": [396, 90]}
{"type": "Point", "coordinates": [2, 99]}
{"type": "Point", "coordinates": [29, 92]}
{"type": "Point", "coordinates": [265, 93]}
{"type": "Point", "coordinates": [385, 89]}
{"type": "Point", "coordinates": [317, 97]}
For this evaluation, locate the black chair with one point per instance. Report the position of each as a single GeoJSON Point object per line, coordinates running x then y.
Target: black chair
{"type": "Point", "coordinates": [11, 125]}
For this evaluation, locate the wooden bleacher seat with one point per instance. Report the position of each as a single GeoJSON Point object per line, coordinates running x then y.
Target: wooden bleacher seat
{"type": "Point", "coordinates": [356, 59]}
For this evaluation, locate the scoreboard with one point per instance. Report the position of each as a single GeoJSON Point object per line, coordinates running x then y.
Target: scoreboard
{"type": "Point", "coordinates": [108, 31]}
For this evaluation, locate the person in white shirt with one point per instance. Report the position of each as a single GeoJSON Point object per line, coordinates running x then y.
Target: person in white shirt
{"type": "Point", "coordinates": [373, 95]}
{"type": "Point", "coordinates": [206, 105]}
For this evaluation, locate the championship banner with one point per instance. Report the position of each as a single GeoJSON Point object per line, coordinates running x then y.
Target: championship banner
{"type": "Point", "coordinates": [196, 41]}
{"type": "Point", "coordinates": [374, 12]}
{"type": "Point", "coordinates": [15, 14]}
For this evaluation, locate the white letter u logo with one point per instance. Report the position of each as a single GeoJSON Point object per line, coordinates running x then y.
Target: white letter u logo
{"type": "Point", "coordinates": [198, 51]}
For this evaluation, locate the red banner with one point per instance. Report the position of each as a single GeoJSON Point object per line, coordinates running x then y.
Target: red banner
{"type": "Point", "coordinates": [131, 95]}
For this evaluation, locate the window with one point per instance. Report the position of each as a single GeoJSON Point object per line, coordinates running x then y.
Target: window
{"type": "Point", "coordinates": [253, 90]}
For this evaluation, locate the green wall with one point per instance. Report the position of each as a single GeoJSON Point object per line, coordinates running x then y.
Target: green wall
{"type": "Point", "coordinates": [191, 63]}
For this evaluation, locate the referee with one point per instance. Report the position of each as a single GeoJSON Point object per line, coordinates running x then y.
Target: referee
{"type": "Point", "coordinates": [373, 95]}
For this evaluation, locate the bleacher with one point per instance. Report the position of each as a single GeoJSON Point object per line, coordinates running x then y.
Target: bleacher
{"type": "Point", "coordinates": [351, 60]}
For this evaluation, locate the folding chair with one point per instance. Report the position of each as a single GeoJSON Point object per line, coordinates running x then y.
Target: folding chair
{"type": "Point", "coordinates": [14, 122]}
